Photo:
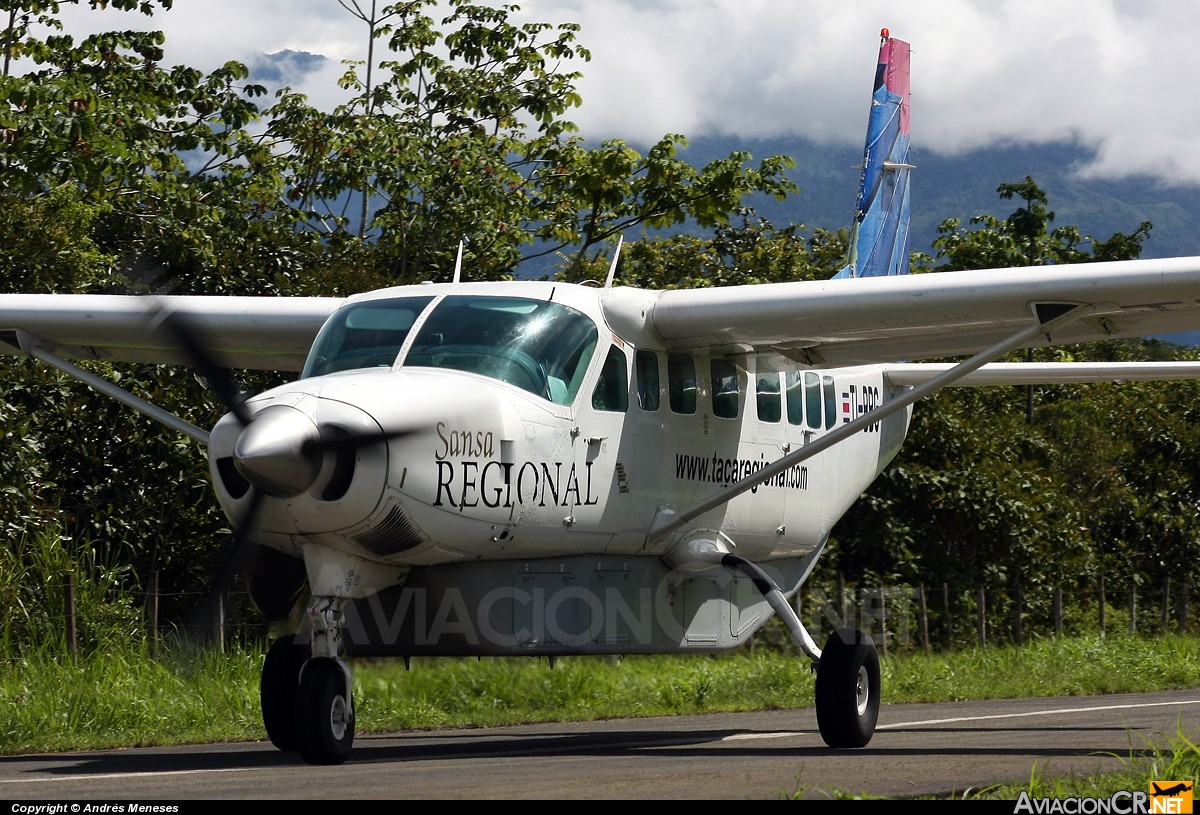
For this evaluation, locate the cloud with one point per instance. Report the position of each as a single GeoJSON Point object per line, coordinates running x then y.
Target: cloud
{"type": "Point", "coordinates": [1106, 73]}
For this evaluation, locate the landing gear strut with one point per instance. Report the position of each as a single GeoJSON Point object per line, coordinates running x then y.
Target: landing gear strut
{"type": "Point", "coordinates": [306, 691]}
{"type": "Point", "coordinates": [847, 690]}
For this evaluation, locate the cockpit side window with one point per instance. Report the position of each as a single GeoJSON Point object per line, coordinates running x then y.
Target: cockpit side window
{"type": "Point", "coordinates": [612, 388]}
{"type": "Point", "coordinates": [364, 335]}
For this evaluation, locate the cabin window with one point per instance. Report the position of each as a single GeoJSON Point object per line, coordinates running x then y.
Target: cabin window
{"type": "Point", "coordinates": [364, 335]}
{"type": "Point", "coordinates": [612, 388]}
{"type": "Point", "coordinates": [540, 347]}
{"type": "Point", "coordinates": [724, 388]}
{"type": "Point", "coordinates": [645, 365]}
{"type": "Point", "coordinates": [681, 383]}
{"type": "Point", "coordinates": [767, 396]}
{"type": "Point", "coordinates": [812, 400]}
{"type": "Point", "coordinates": [830, 402]}
{"type": "Point", "coordinates": [794, 397]}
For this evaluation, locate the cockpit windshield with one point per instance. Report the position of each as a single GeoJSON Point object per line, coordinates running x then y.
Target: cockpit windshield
{"type": "Point", "coordinates": [365, 335]}
{"type": "Point", "coordinates": [538, 346]}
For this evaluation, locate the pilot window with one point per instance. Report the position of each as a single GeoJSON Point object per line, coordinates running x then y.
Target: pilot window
{"type": "Point", "coordinates": [724, 388]}
{"type": "Point", "coordinates": [364, 335]}
{"type": "Point", "coordinates": [681, 383]}
{"type": "Point", "coordinates": [612, 388]}
{"type": "Point", "coordinates": [767, 396]}
{"type": "Point", "coordinates": [645, 365]}
{"type": "Point", "coordinates": [541, 347]}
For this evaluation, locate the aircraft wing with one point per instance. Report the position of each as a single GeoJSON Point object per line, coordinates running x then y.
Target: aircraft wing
{"type": "Point", "coordinates": [262, 333]}
{"type": "Point", "coordinates": [932, 315]}
{"type": "Point", "coordinates": [1043, 373]}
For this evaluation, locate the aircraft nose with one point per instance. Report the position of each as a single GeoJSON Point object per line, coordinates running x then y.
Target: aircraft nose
{"type": "Point", "coordinates": [274, 452]}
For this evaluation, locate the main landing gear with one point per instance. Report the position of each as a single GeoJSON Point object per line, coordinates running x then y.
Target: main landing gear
{"type": "Point", "coordinates": [847, 692]}
{"type": "Point", "coordinates": [305, 690]}
{"type": "Point", "coordinates": [847, 688]}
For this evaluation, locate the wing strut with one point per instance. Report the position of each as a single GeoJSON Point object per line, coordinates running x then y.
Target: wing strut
{"type": "Point", "coordinates": [668, 520]}
{"type": "Point", "coordinates": [120, 394]}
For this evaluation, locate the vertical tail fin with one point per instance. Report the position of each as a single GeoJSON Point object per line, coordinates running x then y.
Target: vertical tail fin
{"type": "Point", "coordinates": [879, 239]}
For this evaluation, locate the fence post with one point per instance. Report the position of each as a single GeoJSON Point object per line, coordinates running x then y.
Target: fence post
{"type": "Point", "coordinates": [882, 622]}
{"type": "Point", "coordinates": [1183, 609]}
{"type": "Point", "coordinates": [946, 615]}
{"type": "Point", "coordinates": [841, 599]}
{"type": "Point", "coordinates": [924, 611]}
{"type": "Point", "coordinates": [1133, 609]}
{"type": "Point", "coordinates": [981, 619]}
{"type": "Point", "coordinates": [1103, 604]}
{"type": "Point", "coordinates": [1018, 630]}
{"type": "Point", "coordinates": [1058, 612]}
{"type": "Point", "coordinates": [72, 631]}
{"type": "Point", "coordinates": [154, 615]}
{"type": "Point", "coordinates": [1166, 603]}
{"type": "Point", "coordinates": [219, 623]}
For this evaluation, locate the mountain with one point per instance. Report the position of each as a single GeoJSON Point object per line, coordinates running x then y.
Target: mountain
{"type": "Point", "coordinates": [964, 186]}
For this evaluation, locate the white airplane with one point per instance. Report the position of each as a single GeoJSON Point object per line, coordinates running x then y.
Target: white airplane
{"type": "Point", "coordinates": [545, 469]}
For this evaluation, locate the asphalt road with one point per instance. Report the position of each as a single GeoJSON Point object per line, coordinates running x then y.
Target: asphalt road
{"type": "Point", "coordinates": [917, 750]}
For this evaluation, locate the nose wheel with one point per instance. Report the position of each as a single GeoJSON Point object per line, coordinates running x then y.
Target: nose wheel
{"type": "Point", "coordinates": [306, 690]}
{"type": "Point", "coordinates": [324, 712]}
{"type": "Point", "coordinates": [278, 688]}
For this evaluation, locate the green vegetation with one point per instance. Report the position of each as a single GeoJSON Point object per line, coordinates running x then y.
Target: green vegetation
{"type": "Point", "coordinates": [123, 698]}
{"type": "Point", "coordinates": [121, 174]}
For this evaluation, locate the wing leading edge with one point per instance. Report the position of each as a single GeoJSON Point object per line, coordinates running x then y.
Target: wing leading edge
{"type": "Point", "coordinates": [938, 314]}
{"type": "Point", "coordinates": [260, 333]}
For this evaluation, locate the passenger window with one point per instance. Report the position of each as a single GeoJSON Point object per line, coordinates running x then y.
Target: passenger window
{"type": "Point", "coordinates": [794, 397]}
{"type": "Point", "coordinates": [645, 364]}
{"type": "Point", "coordinates": [812, 399]}
{"type": "Point", "coordinates": [770, 407]}
{"type": "Point", "coordinates": [681, 383]}
{"type": "Point", "coordinates": [724, 388]}
{"type": "Point", "coordinates": [612, 389]}
{"type": "Point", "coordinates": [830, 402]}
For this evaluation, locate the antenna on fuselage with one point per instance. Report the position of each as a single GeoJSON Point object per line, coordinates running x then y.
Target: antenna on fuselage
{"type": "Point", "coordinates": [612, 268]}
{"type": "Point", "coordinates": [458, 264]}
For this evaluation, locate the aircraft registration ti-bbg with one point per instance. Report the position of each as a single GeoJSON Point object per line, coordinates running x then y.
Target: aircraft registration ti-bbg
{"type": "Point", "coordinates": [538, 468]}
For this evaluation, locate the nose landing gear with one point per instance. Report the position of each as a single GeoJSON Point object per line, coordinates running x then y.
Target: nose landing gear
{"type": "Point", "coordinates": [306, 690]}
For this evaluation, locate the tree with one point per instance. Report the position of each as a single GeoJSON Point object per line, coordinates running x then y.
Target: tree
{"type": "Point", "coordinates": [463, 136]}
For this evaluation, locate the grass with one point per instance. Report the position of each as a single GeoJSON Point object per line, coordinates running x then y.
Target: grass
{"type": "Point", "coordinates": [113, 698]}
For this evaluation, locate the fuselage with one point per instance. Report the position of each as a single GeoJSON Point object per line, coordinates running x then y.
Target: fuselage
{"type": "Point", "coordinates": [520, 420]}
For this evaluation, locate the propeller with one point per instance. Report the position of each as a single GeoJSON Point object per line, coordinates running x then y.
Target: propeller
{"type": "Point", "coordinates": [280, 452]}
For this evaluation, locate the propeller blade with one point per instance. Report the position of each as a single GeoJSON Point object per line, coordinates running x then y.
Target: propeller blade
{"type": "Point", "coordinates": [230, 564]}
{"type": "Point", "coordinates": [351, 441]}
{"type": "Point", "coordinates": [205, 362]}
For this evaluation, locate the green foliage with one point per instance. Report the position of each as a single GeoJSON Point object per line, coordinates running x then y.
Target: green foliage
{"type": "Point", "coordinates": [120, 173]}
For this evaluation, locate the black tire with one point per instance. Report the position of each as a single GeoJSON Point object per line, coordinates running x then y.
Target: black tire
{"type": "Point", "coordinates": [277, 690]}
{"type": "Point", "coordinates": [847, 689]}
{"type": "Point", "coordinates": [324, 713]}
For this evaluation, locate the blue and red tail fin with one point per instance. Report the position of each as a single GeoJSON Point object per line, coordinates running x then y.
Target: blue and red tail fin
{"type": "Point", "coordinates": [879, 240]}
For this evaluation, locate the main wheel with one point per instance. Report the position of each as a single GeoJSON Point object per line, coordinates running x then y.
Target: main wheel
{"type": "Point", "coordinates": [847, 691]}
{"type": "Point", "coordinates": [277, 690]}
{"type": "Point", "coordinates": [324, 713]}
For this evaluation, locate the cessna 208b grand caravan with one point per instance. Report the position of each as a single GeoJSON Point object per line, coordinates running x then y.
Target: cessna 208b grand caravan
{"type": "Point", "coordinates": [539, 468]}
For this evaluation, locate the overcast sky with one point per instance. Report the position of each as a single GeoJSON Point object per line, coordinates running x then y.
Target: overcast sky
{"type": "Point", "coordinates": [1116, 74]}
